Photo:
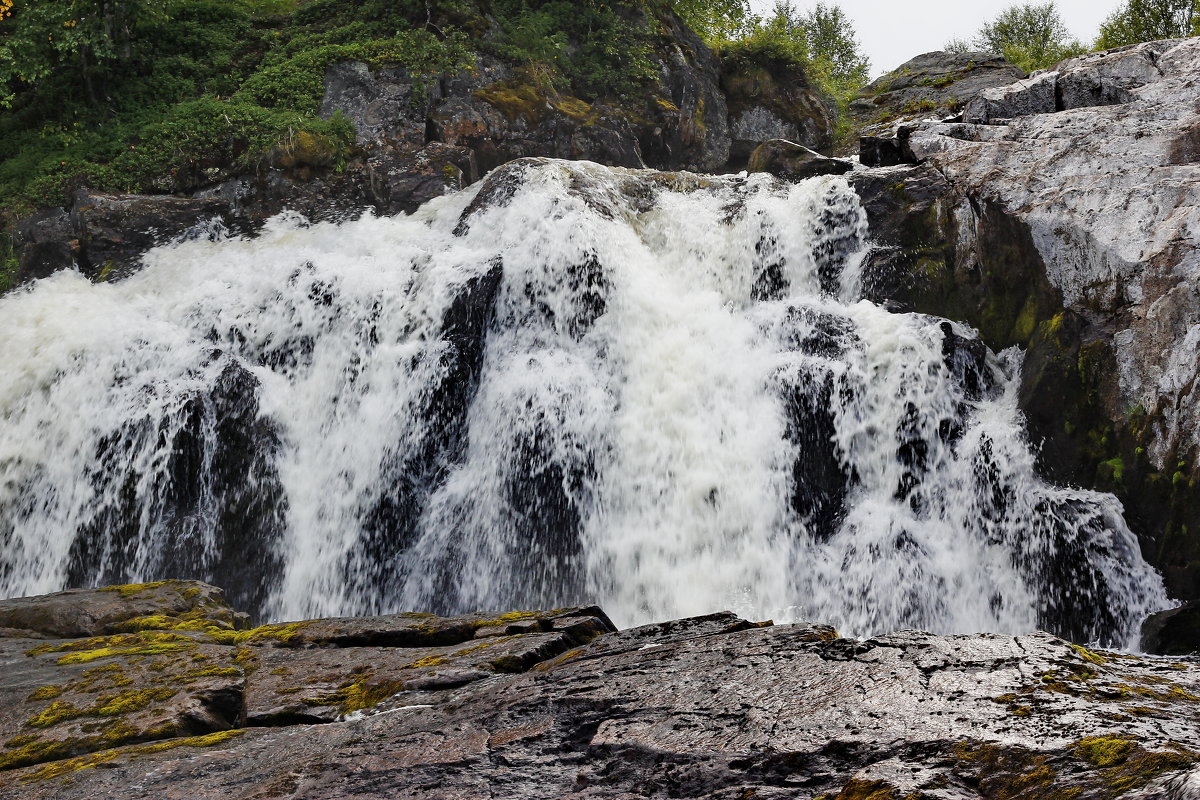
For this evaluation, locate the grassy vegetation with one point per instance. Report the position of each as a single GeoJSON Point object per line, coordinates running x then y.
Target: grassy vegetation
{"type": "Point", "coordinates": [215, 83]}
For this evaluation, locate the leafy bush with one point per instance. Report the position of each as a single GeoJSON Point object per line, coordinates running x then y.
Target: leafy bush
{"type": "Point", "coordinates": [595, 48]}
{"type": "Point", "coordinates": [1031, 35]}
{"type": "Point", "coordinates": [716, 21]}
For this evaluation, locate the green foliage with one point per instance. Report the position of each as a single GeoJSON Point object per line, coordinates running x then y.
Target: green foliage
{"type": "Point", "coordinates": [768, 43]}
{"type": "Point", "coordinates": [1149, 20]}
{"type": "Point", "coordinates": [1031, 35]}
{"type": "Point", "coordinates": [595, 48]}
{"type": "Point", "coordinates": [87, 37]}
{"type": "Point", "coordinates": [196, 86]}
{"type": "Point", "coordinates": [822, 40]}
{"type": "Point", "coordinates": [832, 45]}
{"type": "Point", "coordinates": [716, 21]}
{"type": "Point", "coordinates": [8, 263]}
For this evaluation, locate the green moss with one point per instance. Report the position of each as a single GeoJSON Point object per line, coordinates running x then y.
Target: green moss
{"type": "Point", "coordinates": [113, 652]}
{"type": "Point", "coordinates": [564, 658]}
{"type": "Point", "coordinates": [69, 766]}
{"type": "Point", "coordinates": [428, 661]}
{"type": "Point", "coordinates": [1125, 765]}
{"type": "Point", "coordinates": [356, 695]}
{"type": "Point", "coordinates": [1089, 656]}
{"type": "Point", "coordinates": [1104, 751]}
{"type": "Point", "coordinates": [25, 751]}
{"type": "Point", "coordinates": [131, 589]}
{"type": "Point", "coordinates": [515, 100]}
{"type": "Point", "coordinates": [56, 712]}
{"type": "Point", "coordinates": [867, 790]}
{"type": "Point", "coordinates": [46, 693]}
{"type": "Point", "coordinates": [134, 700]}
{"type": "Point", "coordinates": [1010, 773]}
{"type": "Point", "coordinates": [212, 672]}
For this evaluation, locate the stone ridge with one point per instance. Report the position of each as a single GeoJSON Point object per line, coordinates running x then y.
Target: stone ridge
{"type": "Point", "coordinates": [557, 704]}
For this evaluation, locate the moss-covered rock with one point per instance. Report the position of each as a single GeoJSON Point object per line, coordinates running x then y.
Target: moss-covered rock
{"type": "Point", "coordinates": [169, 661]}
{"type": "Point", "coordinates": [96, 612]}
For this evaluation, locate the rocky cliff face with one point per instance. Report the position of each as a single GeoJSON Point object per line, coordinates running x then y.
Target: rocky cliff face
{"type": "Point", "coordinates": [1059, 214]}
{"type": "Point", "coordinates": [170, 696]}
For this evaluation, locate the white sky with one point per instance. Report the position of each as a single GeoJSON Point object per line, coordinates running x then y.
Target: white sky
{"type": "Point", "coordinates": [893, 31]}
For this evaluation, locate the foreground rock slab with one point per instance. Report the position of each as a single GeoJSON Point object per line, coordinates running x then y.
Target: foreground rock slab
{"type": "Point", "coordinates": [557, 704]}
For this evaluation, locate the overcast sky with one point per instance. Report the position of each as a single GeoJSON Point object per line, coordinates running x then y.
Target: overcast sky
{"type": "Point", "coordinates": [892, 32]}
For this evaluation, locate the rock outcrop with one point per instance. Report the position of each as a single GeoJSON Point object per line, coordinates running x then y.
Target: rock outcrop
{"type": "Point", "coordinates": [1061, 217]}
{"type": "Point", "coordinates": [931, 86]}
{"type": "Point", "coordinates": [556, 704]}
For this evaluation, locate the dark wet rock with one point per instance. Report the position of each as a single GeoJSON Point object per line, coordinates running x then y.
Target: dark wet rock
{"type": "Point", "coordinates": [47, 243]}
{"type": "Point", "coordinates": [712, 707]}
{"type": "Point", "coordinates": [428, 630]}
{"type": "Point", "coordinates": [78, 613]}
{"type": "Point", "coordinates": [310, 686]}
{"type": "Point", "coordinates": [113, 231]}
{"type": "Point", "coordinates": [794, 162]}
{"type": "Point", "coordinates": [1175, 632]}
{"type": "Point", "coordinates": [382, 105]}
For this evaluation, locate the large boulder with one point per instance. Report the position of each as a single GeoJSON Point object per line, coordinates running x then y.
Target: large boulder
{"type": "Point", "coordinates": [557, 704]}
{"type": "Point", "coordinates": [794, 162]}
{"type": "Point", "coordinates": [78, 613]}
{"type": "Point", "coordinates": [1066, 226]}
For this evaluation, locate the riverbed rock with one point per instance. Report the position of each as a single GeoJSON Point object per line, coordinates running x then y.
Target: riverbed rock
{"type": "Point", "coordinates": [89, 670]}
{"type": "Point", "coordinates": [712, 707]}
{"type": "Point", "coordinates": [1067, 226]}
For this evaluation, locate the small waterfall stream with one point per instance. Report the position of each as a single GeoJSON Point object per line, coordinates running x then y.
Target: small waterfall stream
{"type": "Point", "coordinates": [657, 392]}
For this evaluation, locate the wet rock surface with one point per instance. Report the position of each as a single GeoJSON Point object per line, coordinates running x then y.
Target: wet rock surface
{"type": "Point", "coordinates": [556, 704]}
{"type": "Point", "coordinates": [146, 665]}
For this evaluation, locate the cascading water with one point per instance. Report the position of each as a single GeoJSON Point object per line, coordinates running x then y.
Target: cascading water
{"type": "Point", "coordinates": [656, 392]}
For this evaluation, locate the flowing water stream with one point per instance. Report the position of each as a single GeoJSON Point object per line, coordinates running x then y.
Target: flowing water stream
{"type": "Point", "coordinates": [660, 393]}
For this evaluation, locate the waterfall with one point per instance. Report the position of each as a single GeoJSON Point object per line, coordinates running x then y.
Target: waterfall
{"type": "Point", "coordinates": [658, 392]}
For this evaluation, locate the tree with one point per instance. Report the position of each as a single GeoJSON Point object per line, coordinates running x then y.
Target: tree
{"type": "Point", "coordinates": [831, 43]}
{"type": "Point", "coordinates": [1148, 20]}
{"type": "Point", "coordinates": [41, 37]}
{"type": "Point", "coordinates": [715, 20]}
{"type": "Point", "coordinates": [1031, 35]}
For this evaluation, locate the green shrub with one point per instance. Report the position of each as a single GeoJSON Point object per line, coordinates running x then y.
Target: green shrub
{"type": "Point", "coordinates": [1147, 20]}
